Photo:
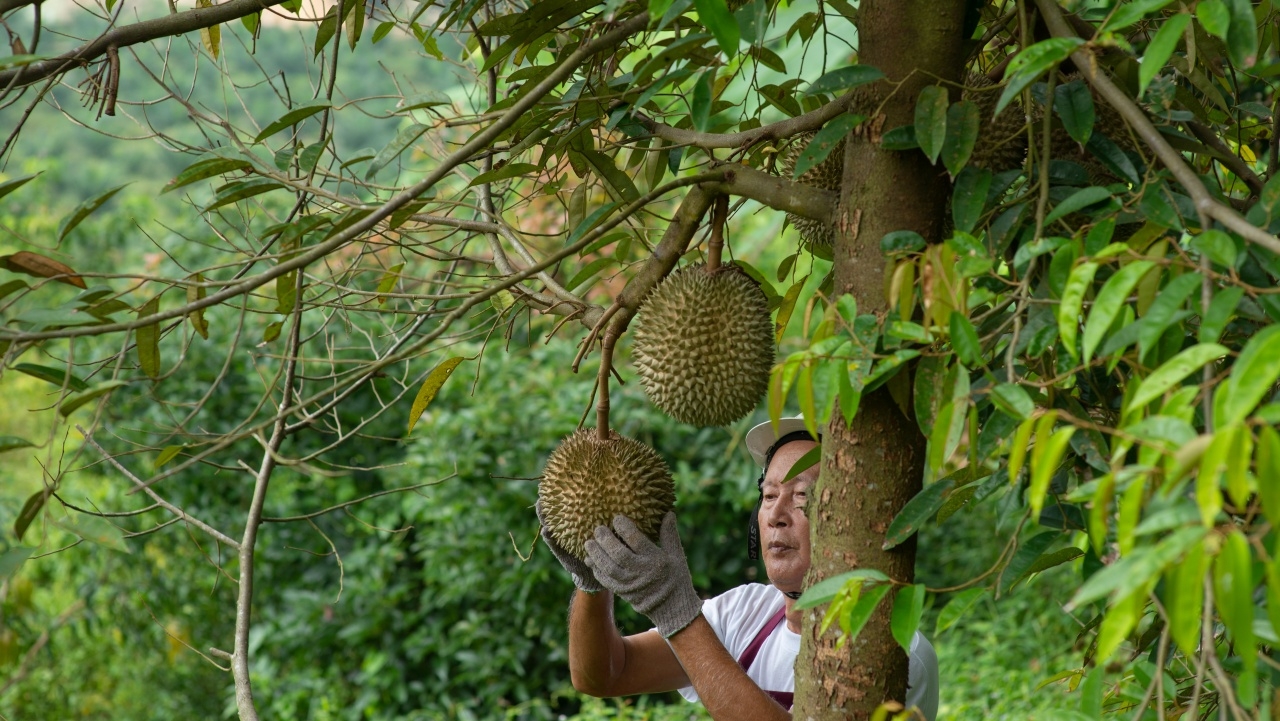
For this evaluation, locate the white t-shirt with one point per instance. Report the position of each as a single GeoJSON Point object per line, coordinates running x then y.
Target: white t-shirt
{"type": "Point", "coordinates": [738, 615]}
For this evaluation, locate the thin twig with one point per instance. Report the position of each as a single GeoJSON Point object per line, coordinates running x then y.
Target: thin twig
{"type": "Point", "coordinates": [362, 499]}
{"type": "Point", "coordinates": [138, 483]}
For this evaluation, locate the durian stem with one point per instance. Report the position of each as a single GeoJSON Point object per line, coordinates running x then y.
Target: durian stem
{"type": "Point", "coordinates": [715, 247]}
{"type": "Point", "coordinates": [602, 397]}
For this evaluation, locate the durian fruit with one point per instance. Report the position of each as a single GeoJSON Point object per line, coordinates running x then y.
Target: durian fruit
{"type": "Point", "coordinates": [1002, 139]}
{"type": "Point", "coordinates": [588, 481]}
{"type": "Point", "coordinates": [826, 175]}
{"type": "Point", "coordinates": [704, 345]}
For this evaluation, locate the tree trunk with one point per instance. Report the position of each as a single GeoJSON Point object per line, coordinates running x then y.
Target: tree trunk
{"type": "Point", "coordinates": [872, 467]}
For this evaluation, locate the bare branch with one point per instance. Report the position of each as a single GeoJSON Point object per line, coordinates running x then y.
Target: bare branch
{"type": "Point", "coordinates": [362, 499]}
{"type": "Point", "coordinates": [219, 535]}
{"type": "Point", "coordinates": [811, 120]}
{"type": "Point", "coordinates": [124, 36]}
{"type": "Point", "coordinates": [478, 142]}
{"type": "Point", "coordinates": [777, 193]}
{"type": "Point", "coordinates": [1172, 159]}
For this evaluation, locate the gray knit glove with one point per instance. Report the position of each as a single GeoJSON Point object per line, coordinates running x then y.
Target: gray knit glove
{"type": "Point", "coordinates": [654, 580]}
{"type": "Point", "coordinates": [582, 576]}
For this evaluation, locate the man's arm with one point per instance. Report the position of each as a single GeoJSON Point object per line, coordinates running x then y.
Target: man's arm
{"type": "Point", "coordinates": [727, 692]}
{"type": "Point", "coordinates": [603, 663]}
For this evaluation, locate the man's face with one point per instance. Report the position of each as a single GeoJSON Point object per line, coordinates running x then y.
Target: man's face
{"type": "Point", "coordinates": [784, 528]}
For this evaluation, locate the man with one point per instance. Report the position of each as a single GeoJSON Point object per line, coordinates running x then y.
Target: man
{"type": "Point", "coordinates": [736, 652]}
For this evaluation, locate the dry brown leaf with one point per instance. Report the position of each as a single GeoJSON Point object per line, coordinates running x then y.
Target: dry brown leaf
{"type": "Point", "coordinates": [42, 267]}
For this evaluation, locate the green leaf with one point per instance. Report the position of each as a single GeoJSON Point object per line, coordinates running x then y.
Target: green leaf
{"type": "Point", "coordinates": [1033, 62]}
{"type": "Point", "coordinates": [13, 443]}
{"type": "Point", "coordinates": [292, 117]}
{"type": "Point", "coordinates": [804, 463]}
{"type": "Point", "coordinates": [963, 122]}
{"type": "Point", "coordinates": [239, 190]}
{"type": "Point", "coordinates": [1242, 34]}
{"type": "Point", "coordinates": [74, 401]}
{"type": "Point", "coordinates": [1184, 599]}
{"type": "Point", "coordinates": [1028, 553]}
{"type": "Point", "coordinates": [1252, 376]}
{"type": "Point", "coordinates": [425, 99]}
{"type": "Point", "coordinates": [1214, 17]}
{"type": "Point", "coordinates": [902, 241]}
{"type": "Point", "coordinates": [1135, 569]}
{"type": "Point", "coordinates": [84, 210]}
{"type": "Point", "coordinates": [1013, 400]}
{"type": "Point", "coordinates": [788, 307]}
{"type": "Point", "coordinates": [56, 376]}
{"type": "Point", "coordinates": [969, 197]}
{"type": "Point", "coordinates": [1269, 474]}
{"type": "Point", "coordinates": [1074, 105]}
{"type": "Point", "coordinates": [430, 387]}
{"type": "Point", "coordinates": [1045, 457]}
{"type": "Point", "coordinates": [585, 226]}
{"type": "Point", "coordinates": [700, 108]}
{"type": "Point", "coordinates": [1160, 48]}
{"type": "Point", "coordinates": [510, 170]}
{"type": "Point", "coordinates": [29, 511]}
{"type": "Point", "coordinates": [900, 138]}
{"type": "Point", "coordinates": [931, 120]}
{"type": "Point", "coordinates": [1115, 160]}
{"type": "Point", "coordinates": [1173, 371]}
{"type": "Point", "coordinates": [167, 454]}
{"type": "Point", "coordinates": [852, 621]}
{"type": "Point", "coordinates": [12, 559]}
{"type": "Point", "coordinates": [617, 180]}
{"type": "Point", "coordinates": [388, 281]}
{"type": "Point", "coordinates": [211, 36]}
{"type": "Point", "coordinates": [1221, 308]}
{"type": "Point", "coordinates": [325, 32]}
{"type": "Point", "coordinates": [908, 608]}
{"type": "Point", "coordinates": [1164, 311]}
{"type": "Point", "coordinates": [964, 341]}
{"type": "Point", "coordinates": [844, 78]}
{"type": "Point", "coordinates": [1078, 200]}
{"type": "Point", "coordinates": [1233, 594]}
{"type": "Point", "coordinates": [1072, 301]}
{"type": "Point", "coordinates": [587, 272]}
{"type": "Point", "coordinates": [1217, 246]}
{"type": "Point", "coordinates": [148, 339]}
{"type": "Point", "coordinates": [9, 186]}
{"type": "Point", "coordinates": [1118, 622]}
{"type": "Point", "coordinates": [958, 607]}
{"type": "Point", "coordinates": [919, 509]}
{"type": "Point", "coordinates": [1106, 306]}
{"type": "Point", "coordinates": [405, 138]}
{"type": "Point", "coordinates": [92, 529]}
{"type": "Point", "coordinates": [1130, 13]}
{"type": "Point", "coordinates": [715, 16]}
{"type": "Point", "coordinates": [824, 591]}
{"type": "Point", "coordinates": [824, 141]}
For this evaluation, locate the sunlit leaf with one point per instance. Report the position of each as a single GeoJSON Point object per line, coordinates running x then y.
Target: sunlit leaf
{"type": "Point", "coordinates": [291, 117]}
{"type": "Point", "coordinates": [430, 387]}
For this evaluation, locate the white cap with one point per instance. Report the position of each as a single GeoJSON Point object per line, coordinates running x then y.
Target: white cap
{"type": "Point", "coordinates": [760, 438]}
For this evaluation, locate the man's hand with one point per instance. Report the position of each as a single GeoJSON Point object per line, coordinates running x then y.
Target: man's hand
{"type": "Point", "coordinates": [582, 576]}
{"type": "Point", "coordinates": [654, 579]}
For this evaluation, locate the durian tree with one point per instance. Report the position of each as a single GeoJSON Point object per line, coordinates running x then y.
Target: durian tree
{"type": "Point", "coordinates": [1034, 265]}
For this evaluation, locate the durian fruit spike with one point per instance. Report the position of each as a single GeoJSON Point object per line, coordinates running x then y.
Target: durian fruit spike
{"type": "Point", "coordinates": [588, 481]}
{"type": "Point", "coordinates": [826, 175]}
{"type": "Point", "coordinates": [1002, 140]}
{"type": "Point", "coordinates": [704, 345]}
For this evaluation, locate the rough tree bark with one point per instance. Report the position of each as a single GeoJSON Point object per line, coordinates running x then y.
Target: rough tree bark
{"type": "Point", "coordinates": [871, 468]}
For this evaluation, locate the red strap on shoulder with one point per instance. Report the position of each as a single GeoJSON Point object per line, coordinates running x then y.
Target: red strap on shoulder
{"type": "Point", "coordinates": [749, 656]}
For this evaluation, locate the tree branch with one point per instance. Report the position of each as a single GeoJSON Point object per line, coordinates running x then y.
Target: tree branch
{"type": "Point", "coordinates": [776, 192]}
{"type": "Point", "coordinates": [477, 142]}
{"type": "Point", "coordinates": [1138, 120]}
{"type": "Point", "coordinates": [7, 5]}
{"type": "Point", "coordinates": [138, 483]}
{"type": "Point", "coordinates": [1228, 158]}
{"type": "Point", "coordinates": [811, 120]}
{"type": "Point", "coordinates": [141, 32]}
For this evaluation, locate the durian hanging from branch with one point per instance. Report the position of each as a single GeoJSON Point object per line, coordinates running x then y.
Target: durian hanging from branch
{"type": "Point", "coordinates": [704, 340]}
